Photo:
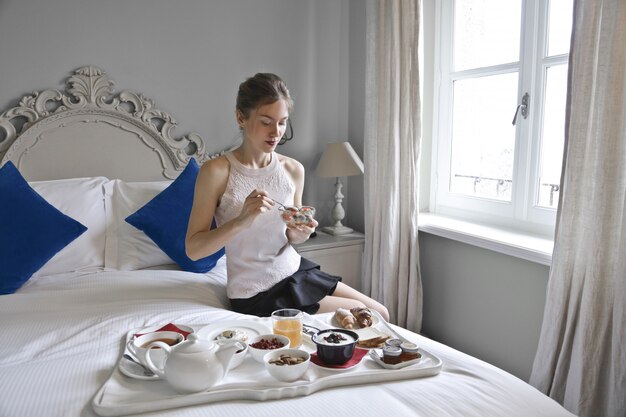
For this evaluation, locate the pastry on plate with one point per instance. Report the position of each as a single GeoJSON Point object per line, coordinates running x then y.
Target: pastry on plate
{"type": "Point", "coordinates": [344, 317]}
{"type": "Point", "coordinates": [363, 316]}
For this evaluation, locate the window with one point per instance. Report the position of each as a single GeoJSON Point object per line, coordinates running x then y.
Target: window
{"type": "Point", "coordinates": [500, 110]}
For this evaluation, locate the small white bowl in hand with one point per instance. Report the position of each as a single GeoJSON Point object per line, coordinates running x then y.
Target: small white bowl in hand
{"type": "Point", "coordinates": [297, 216]}
{"type": "Point", "coordinates": [286, 372]}
{"type": "Point", "coordinates": [258, 353]}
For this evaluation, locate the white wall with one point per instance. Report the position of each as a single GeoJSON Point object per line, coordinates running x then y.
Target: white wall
{"type": "Point", "coordinates": [189, 56]}
{"type": "Point", "coordinates": [355, 217]}
{"type": "Point", "coordinates": [482, 302]}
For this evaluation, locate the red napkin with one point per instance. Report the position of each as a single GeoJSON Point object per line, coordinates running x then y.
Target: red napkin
{"type": "Point", "coordinates": [168, 328]}
{"type": "Point", "coordinates": [356, 358]}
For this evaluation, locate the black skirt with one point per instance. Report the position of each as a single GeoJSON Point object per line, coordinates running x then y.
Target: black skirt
{"type": "Point", "coordinates": [302, 290]}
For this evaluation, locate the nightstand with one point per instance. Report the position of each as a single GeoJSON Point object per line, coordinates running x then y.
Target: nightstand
{"type": "Point", "coordinates": [340, 255]}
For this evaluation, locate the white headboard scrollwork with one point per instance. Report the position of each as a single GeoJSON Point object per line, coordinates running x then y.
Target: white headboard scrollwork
{"type": "Point", "coordinates": [90, 131]}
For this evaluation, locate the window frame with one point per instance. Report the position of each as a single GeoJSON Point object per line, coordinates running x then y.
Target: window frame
{"type": "Point", "coordinates": [521, 213]}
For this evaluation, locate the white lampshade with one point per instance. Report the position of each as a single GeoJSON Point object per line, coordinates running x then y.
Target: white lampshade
{"type": "Point", "coordinates": [339, 160]}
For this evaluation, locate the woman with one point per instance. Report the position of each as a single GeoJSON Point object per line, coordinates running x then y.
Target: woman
{"type": "Point", "coordinates": [240, 189]}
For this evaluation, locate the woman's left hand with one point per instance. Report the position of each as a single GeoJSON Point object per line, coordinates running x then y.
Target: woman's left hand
{"type": "Point", "coordinates": [299, 234]}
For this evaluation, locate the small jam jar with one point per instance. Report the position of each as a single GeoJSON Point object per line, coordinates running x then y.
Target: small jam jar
{"type": "Point", "coordinates": [409, 351]}
{"type": "Point", "coordinates": [391, 355]}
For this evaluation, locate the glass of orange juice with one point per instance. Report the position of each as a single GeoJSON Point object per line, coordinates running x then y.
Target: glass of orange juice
{"type": "Point", "coordinates": [288, 322]}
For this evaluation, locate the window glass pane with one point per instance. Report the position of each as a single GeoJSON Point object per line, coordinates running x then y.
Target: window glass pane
{"type": "Point", "coordinates": [560, 26]}
{"type": "Point", "coordinates": [552, 137]}
{"type": "Point", "coordinates": [486, 32]}
{"type": "Point", "coordinates": [483, 138]}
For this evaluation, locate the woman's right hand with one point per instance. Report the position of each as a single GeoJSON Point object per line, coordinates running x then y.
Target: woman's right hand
{"type": "Point", "coordinates": [257, 202]}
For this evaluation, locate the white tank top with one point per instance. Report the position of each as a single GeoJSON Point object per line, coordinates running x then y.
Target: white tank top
{"type": "Point", "coordinates": [261, 256]}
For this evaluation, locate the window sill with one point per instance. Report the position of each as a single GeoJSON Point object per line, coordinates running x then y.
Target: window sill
{"type": "Point", "coordinates": [514, 243]}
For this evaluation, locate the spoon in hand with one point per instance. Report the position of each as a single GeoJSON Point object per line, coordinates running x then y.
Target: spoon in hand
{"type": "Point", "coordinates": [280, 204]}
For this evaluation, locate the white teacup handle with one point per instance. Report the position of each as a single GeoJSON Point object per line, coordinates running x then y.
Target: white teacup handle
{"type": "Point", "coordinates": [150, 364]}
{"type": "Point", "coordinates": [133, 349]}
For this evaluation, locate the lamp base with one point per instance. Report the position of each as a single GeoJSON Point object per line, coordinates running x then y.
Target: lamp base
{"type": "Point", "coordinates": [337, 230]}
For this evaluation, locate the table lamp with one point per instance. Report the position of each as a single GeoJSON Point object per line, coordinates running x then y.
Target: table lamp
{"type": "Point", "coordinates": [338, 160]}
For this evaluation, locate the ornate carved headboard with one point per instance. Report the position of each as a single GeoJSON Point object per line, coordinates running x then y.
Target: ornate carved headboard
{"type": "Point", "coordinates": [89, 131]}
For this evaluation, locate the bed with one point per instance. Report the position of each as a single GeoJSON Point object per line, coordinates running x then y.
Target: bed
{"type": "Point", "coordinates": [99, 258]}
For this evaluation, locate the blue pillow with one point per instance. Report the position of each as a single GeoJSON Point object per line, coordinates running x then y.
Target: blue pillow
{"type": "Point", "coordinates": [31, 230]}
{"type": "Point", "coordinates": [164, 219]}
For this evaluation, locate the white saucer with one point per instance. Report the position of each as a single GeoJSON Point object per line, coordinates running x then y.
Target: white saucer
{"type": "Point", "coordinates": [335, 323]}
{"type": "Point", "coordinates": [376, 355]}
{"type": "Point", "coordinates": [133, 370]}
{"type": "Point", "coordinates": [363, 332]}
{"type": "Point", "coordinates": [250, 328]}
{"type": "Point", "coordinates": [151, 329]}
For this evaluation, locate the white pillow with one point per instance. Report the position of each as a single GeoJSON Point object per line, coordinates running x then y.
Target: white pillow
{"type": "Point", "coordinates": [128, 248]}
{"type": "Point", "coordinates": [83, 200]}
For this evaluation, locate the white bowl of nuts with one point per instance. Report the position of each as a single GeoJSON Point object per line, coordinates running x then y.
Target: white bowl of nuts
{"type": "Point", "coordinates": [287, 365]}
{"type": "Point", "coordinates": [264, 343]}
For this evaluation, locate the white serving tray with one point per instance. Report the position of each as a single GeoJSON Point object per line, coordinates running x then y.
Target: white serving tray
{"type": "Point", "coordinates": [121, 395]}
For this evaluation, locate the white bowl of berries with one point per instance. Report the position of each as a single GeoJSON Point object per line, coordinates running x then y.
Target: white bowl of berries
{"type": "Point", "coordinates": [297, 216]}
{"type": "Point", "coordinates": [262, 344]}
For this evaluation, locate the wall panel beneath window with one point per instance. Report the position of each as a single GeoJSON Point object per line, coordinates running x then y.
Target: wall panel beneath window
{"type": "Point", "coordinates": [484, 303]}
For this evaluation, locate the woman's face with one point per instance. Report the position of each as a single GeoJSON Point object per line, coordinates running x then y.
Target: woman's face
{"type": "Point", "coordinates": [265, 126]}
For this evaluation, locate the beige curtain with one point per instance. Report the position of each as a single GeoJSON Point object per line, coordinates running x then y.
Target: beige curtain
{"type": "Point", "coordinates": [581, 357]}
{"type": "Point", "coordinates": [392, 146]}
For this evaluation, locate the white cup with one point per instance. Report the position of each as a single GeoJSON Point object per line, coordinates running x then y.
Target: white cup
{"type": "Point", "coordinates": [138, 344]}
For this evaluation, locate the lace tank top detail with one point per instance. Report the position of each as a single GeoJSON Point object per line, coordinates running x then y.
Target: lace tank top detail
{"type": "Point", "coordinates": [261, 256]}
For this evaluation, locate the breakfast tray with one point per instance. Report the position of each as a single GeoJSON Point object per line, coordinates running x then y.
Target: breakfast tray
{"type": "Point", "coordinates": [121, 395]}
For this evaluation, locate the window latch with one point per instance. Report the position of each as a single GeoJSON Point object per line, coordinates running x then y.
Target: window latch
{"type": "Point", "coordinates": [522, 108]}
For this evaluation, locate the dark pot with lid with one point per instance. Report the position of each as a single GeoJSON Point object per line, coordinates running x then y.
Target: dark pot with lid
{"type": "Point", "coordinates": [335, 346]}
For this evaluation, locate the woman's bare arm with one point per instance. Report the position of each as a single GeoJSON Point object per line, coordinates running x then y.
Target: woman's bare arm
{"type": "Point", "coordinates": [200, 240]}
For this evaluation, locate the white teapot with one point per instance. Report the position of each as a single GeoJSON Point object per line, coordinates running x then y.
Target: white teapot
{"type": "Point", "coordinates": [194, 365]}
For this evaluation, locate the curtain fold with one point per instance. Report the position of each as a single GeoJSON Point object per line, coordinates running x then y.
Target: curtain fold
{"type": "Point", "coordinates": [391, 153]}
{"type": "Point", "coordinates": [581, 356]}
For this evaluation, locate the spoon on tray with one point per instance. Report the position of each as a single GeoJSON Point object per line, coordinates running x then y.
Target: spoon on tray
{"type": "Point", "coordinates": [146, 371]}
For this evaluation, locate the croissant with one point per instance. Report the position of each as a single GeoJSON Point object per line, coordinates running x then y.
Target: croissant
{"type": "Point", "coordinates": [345, 318]}
{"type": "Point", "coordinates": [363, 316]}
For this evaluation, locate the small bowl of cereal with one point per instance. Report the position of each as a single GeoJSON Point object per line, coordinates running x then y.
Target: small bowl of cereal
{"type": "Point", "coordinates": [297, 216]}
{"type": "Point", "coordinates": [262, 344]}
{"type": "Point", "coordinates": [287, 365]}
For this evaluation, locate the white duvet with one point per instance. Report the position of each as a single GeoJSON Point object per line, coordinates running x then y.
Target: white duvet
{"type": "Point", "coordinates": [63, 335]}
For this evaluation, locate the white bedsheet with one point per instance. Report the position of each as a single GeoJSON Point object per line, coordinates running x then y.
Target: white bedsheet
{"type": "Point", "coordinates": [63, 335]}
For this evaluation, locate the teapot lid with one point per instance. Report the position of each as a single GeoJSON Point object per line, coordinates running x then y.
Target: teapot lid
{"type": "Point", "coordinates": [195, 345]}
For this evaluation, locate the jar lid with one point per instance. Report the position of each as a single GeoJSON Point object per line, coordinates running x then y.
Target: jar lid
{"type": "Point", "coordinates": [392, 351]}
{"type": "Point", "coordinates": [393, 342]}
{"type": "Point", "coordinates": [409, 347]}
